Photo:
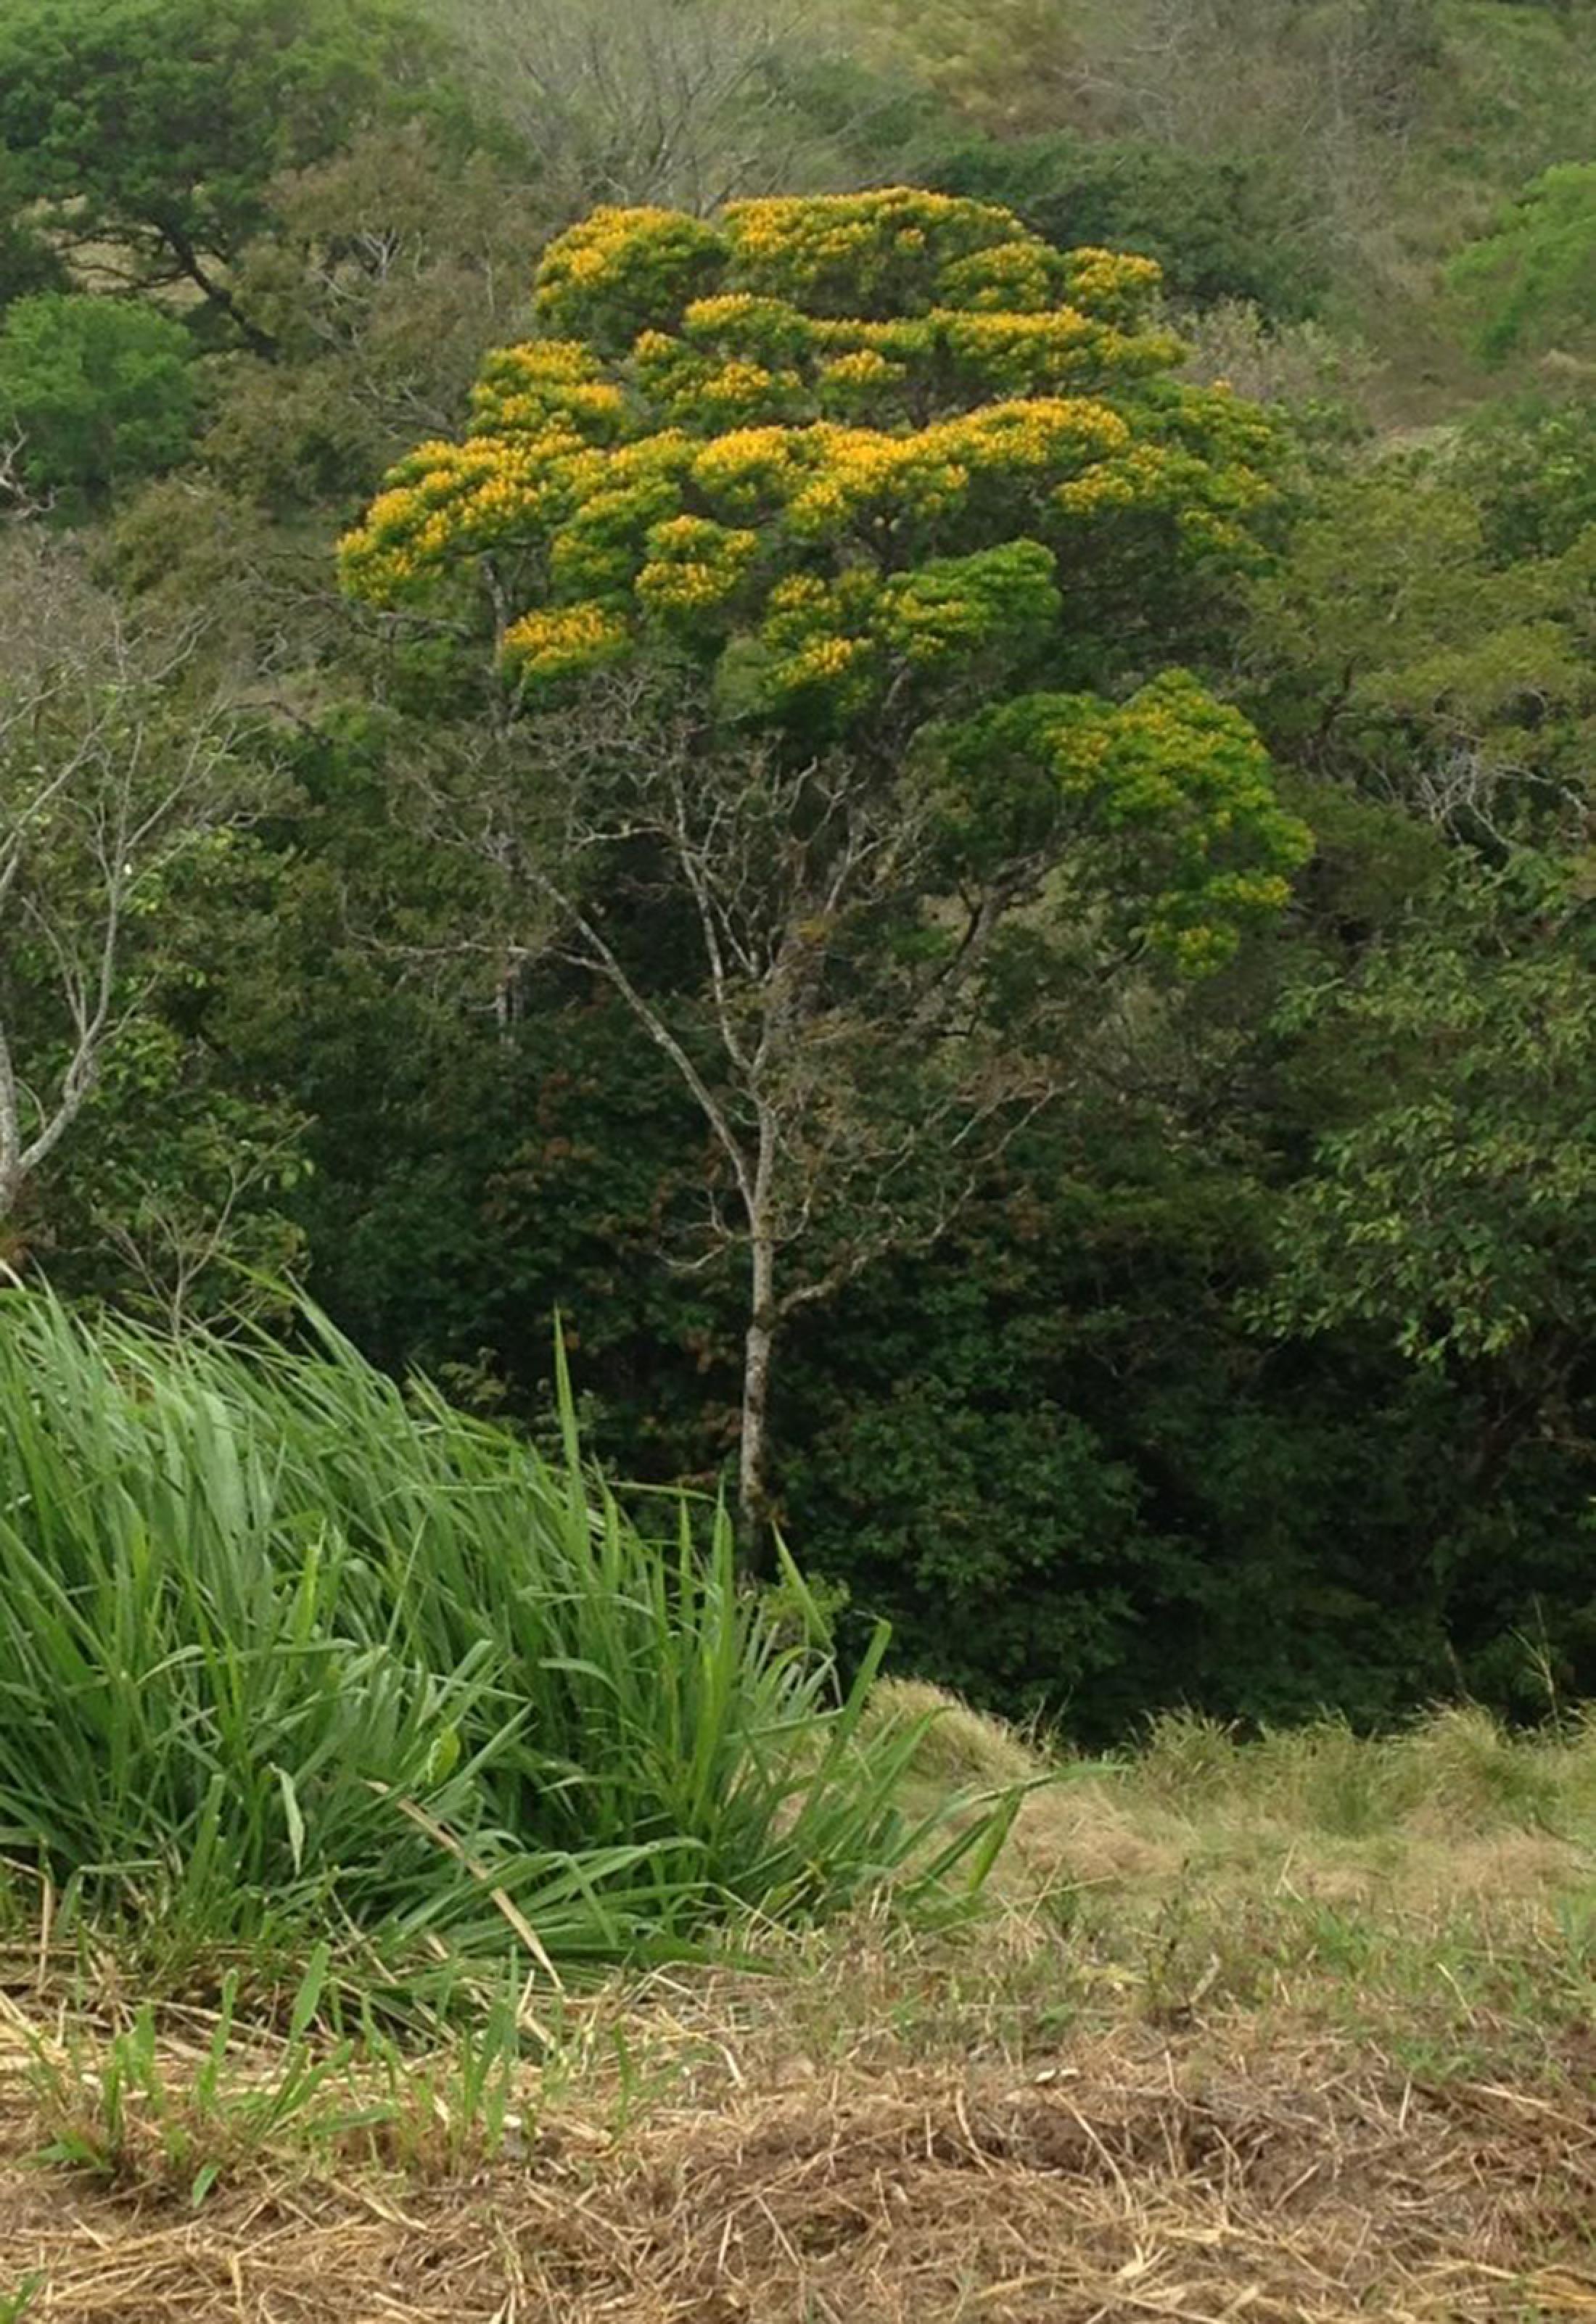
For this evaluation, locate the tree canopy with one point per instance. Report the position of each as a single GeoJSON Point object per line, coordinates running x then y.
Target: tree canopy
{"type": "Point", "coordinates": [158, 124]}
{"type": "Point", "coordinates": [94, 392]}
{"type": "Point", "coordinates": [1531, 282]}
{"type": "Point", "coordinates": [870, 460]}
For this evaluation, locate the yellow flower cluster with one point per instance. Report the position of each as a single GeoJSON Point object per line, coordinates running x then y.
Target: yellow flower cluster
{"type": "Point", "coordinates": [865, 367]}
{"type": "Point", "coordinates": [736, 390]}
{"type": "Point", "coordinates": [822, 478]}
{"type": "Point", "coordinates": [563, 642]}
{"type": "Point", "coordinates": [524, 388]}
{"type": "Point", "coordinates": [816, 637]}
{"type": "Point", "coordinates": [451, 500]}
{"type": "Point", "coordinates": [745, 359]}
{"type": "Point", "coordinates": [1030, 354]}
{"type": "Point", "coordinates": [1135, 478]}
{"type": "Point", "coordinates": [821, 662]}
{"type": "Point", "coordinates": [807, 426]}
{"type": "Point", "coordinates": [1186, 767]}
{"type": "Point", "coordinates": [604, 278]}
{"type": "Point", "coordinates": [851, 473]}
{"type": "Point", "coordinates": [853, 382]}
{"type": "Point", "coordinates": [1014, 277]}
{"type": "Point", "coordinates": [850, 252]}
{"type": "Point", "coordinates": [848, 635]}
{"type": "Point", "coordinates": [749, 468]}
{"type": "Point", "coordinates": [1112, 282]}
{"type": "Point", "coordinates": [1170, 791]}
{"type": "Point", "coordinates": [694, 567]}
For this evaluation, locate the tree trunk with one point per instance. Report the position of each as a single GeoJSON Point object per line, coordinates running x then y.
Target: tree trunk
{"type": "Point", "coordinates": [758, 1348]}
{"type": "Point", "coordinates": [260, 343]}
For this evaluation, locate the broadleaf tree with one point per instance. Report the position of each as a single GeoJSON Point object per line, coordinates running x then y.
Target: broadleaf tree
{"type": "Point", "coordinates": [120, 773]}
{"type": "Point", "coordinates": [153, 128]}
{"type": "Point", "coordinates": [94, 392]}
{"type": "Point", "coordinates": [836, 554]}
{"type": "Point", "coordinates": [1530, 283]}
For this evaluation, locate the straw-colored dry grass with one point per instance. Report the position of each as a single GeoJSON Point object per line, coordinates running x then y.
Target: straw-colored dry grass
{"type": "Point", "coordinates": [1454, 1811]}
{"type": "Point", "coordinates": [1299, 2033]}
{"type": "Point", "coordinates": [1131, 2176]}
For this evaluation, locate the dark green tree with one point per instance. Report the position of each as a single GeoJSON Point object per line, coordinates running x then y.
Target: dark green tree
{"type": "Point", "coordinates": [157, 125]}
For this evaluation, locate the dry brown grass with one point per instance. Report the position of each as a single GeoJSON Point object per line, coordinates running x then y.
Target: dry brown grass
{"type": "Point", "coordinates": [1213, 2054]}
{"type": "Point", "coordinates": [1132, 2177]}
{"type": "Point", "coordinates": [1453, 1813]}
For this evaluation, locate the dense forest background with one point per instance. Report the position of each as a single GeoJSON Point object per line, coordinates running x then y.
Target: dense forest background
{"type": "Point", "coordinates": [1255, 1368]}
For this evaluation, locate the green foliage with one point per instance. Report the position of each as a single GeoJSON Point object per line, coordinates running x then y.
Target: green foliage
{"type": "Point", "coordinates": [1458, 1214]}
{"type": "Point", "coordinates": [27, 261]}
{"type": "Point", "coordinates": [1001, 1532]}
{"type": "Point", "coordinates": [145, 2122]}
{"type": "Point", "coordinates": [159, 124]}
{"type": "Point", "coordinates": [385, 273]}
{"type": "Point", "coordinates": [1398, 647]}
{"type": "Point", "coordinates": [128, 897]}
{"type": "Point", "coordinates": [1185, 860]}
{"type": "Point", "coordinates": [285, 1647]}
{"type": "Point", "coordinates": [1531, 283]}
{"type": "Point", "coordinates": [1530, 468]}
{"type": "Point", "coordinates": [1220, 226]}
{"type": "Point", "coordinates": [1253, 1374]}
{"type": "Point", "coordinates": [101, 392]}
{"type": "Point", "coordinates": [134, 2123]}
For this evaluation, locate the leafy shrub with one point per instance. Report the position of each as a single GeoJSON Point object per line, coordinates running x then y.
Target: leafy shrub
{"type": "Point", "coordinates": [1531, 283]}
{"type": "Point", "coordinates": [101, 392]}
{"type": "Point", "coordinates": [1530, 464]}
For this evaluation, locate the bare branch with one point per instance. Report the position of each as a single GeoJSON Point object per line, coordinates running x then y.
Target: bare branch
{"type": "Point", "coordinates": [102, 778]}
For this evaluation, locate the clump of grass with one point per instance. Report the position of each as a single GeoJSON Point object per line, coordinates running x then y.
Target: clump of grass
{"type": "Point", "coordinates": [1463, 1770]}
{"type": "Point", "coordinates": [1456, 1770]}
{"type": "Point", "coordinates": [1444, 1815]}
{"type": "Point", "coordinates": [959, 1746]}
{"type": "Point", "coordinates": [1187, 1757]}
{"type": "Point", "coordinates": [286, 1651]}
{"type": "Point", "coordinates": [141, 2110]}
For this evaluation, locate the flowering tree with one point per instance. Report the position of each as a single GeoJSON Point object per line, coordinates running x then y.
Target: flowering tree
{"type": "Point", "coordinates": [895, 507]}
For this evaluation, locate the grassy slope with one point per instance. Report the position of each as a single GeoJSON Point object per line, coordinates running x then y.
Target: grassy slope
{"type": "Point", "coordinates": [1514, 90]}
{"type": "Point", "coordinates": [1516, 93]}
{"type": "Point", "coordinates": [1300, 2030]}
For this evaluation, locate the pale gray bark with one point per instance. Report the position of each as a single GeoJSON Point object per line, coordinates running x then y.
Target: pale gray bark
{"type": "Point", "coordinates": [99, 782]}
{"type": "Point", "coordinates": [789, 1056]}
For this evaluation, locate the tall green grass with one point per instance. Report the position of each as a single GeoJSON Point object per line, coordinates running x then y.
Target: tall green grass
{"type": "Point", "coordinates": [287, 1651]}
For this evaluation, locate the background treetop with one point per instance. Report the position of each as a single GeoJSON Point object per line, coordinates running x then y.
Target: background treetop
{"type": "Point", "coordinates": [154, 126]}
{"type": "Point", "coordinates": [1530, 283]}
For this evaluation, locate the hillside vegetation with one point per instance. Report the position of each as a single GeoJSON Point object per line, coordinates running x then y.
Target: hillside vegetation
{"type": "Point", "coordinates": [798, 1160]}
{"type": "Point", "coordinates": [1164, 1295]}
